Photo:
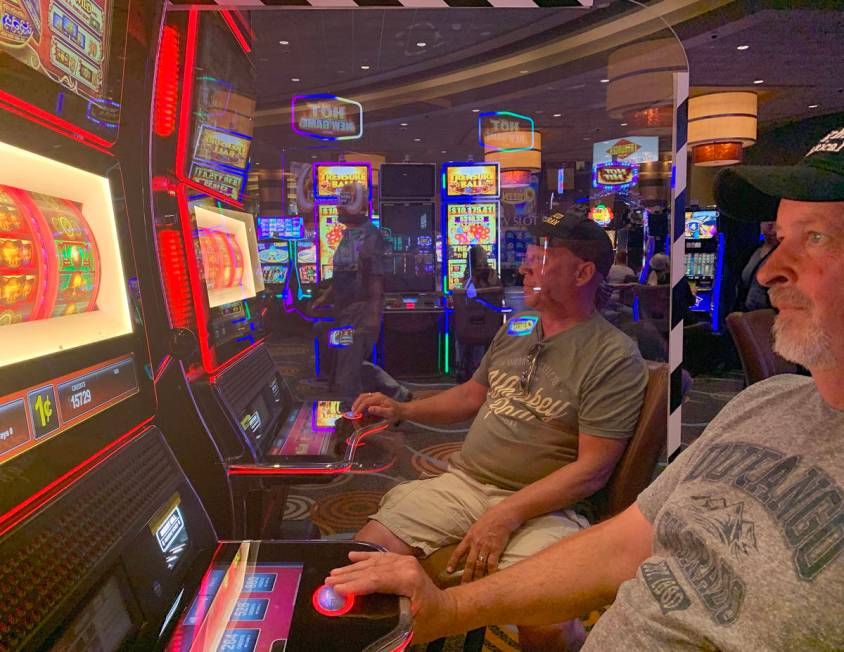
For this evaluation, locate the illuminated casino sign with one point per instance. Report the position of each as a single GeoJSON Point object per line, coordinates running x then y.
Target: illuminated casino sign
{"type": "Point", "coordinates": [615, 176]}
{"type": "Point", "coordinates": [326, 117]}
{"type": "Point", "coordinates": [505, 131]}
{"type": "Point", "coordinates": [632, 149]}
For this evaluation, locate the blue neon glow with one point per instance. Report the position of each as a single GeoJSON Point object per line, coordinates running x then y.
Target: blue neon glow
{"type": "Point", "coordinates": [90, 109]}
{"type": "Point", "coordinates": [715, 318]}
{"type": "Point", "coordinates": [521, 326]}
{"type": "Point", "coordinates": [518, 116]}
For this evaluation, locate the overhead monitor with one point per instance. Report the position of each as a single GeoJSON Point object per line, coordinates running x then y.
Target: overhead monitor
{"type": "Point", "coordinates": [408, 181]}
{"type": "Point", "coordinates": [62, 283]}
{"type": "Point", "coordinates": [409, 262]}
{"type": "Point", "coordinates": [471, 181]}
{"type": "Point", "coordinates": [226, 257]}
{"type": "Point", "coordinates": [701, 225]}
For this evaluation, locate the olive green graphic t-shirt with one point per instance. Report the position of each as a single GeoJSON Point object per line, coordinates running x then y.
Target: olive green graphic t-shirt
{"type": "Point", "coordinates": [588, 379]}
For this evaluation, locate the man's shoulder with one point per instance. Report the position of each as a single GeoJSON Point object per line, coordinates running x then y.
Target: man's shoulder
{"type": "Point", "coordinates": [610, 341]}
{"type": "Point", "coordinates": [782, 389]}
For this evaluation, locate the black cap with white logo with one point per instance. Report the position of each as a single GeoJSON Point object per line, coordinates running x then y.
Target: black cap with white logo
{"type": "Point", "coordinates": [580, 235]}
{"type": "Point", "coordinates": [752, 192]}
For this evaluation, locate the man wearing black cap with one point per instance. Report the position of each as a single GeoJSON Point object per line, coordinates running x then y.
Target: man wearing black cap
{"type": "Point", "coordinates": [739, 544]}
{"type": "Point", "coordinates": [554, 401]}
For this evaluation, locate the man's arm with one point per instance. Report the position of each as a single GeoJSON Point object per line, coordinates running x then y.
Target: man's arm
{"type": "Point", "coordinates": [487, 538]}
{"type": "Point", "coordinates": [580, 573]}
{"type": "Point", "coordinates": [451, 406]}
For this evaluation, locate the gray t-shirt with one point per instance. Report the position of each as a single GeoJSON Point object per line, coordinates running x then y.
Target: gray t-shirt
{"type": "Point", "coordinates": [589, 378]}
{"type": "Point", "coordinates": [748, 534]}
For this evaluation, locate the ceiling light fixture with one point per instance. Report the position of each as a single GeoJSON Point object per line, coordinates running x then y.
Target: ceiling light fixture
{"type": "Point", "coordinates": [294, 79]}
{"type": "Point", "coordinates": [758, 81]}
{"type": "Point", "coordinates": [417, 140]}
{"type": "Point", "coordinates": [421, 44]}
{"type": "Point", "coordinates": [605, 81]}
{"type": "Point", "coordinates": [524, 72]}
{"type": "Point", "coordinates": [364, 67]}
{"type": "Point", "coordinates": [284, 42]}
{"type": "Point", "coordinates": [743, 47]}
{"type": "Point", "coordinates": [623, 124]}
{"type": "Point", "coordinates": [402, 124]}
{"type": "Point", "coordinates": [443, 151]}
{"type": "Point", "coordinates": [476, 110]}
{"type": "Point", "coordinates": [558, 115]}
{"type": "Point", "coordinates": [813, 106]}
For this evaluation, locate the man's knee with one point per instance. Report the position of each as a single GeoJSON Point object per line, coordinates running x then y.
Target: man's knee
{"type": "Point", "coordinates": [561, 637]}
{"type": "Point", "coordinates": [375, 532]}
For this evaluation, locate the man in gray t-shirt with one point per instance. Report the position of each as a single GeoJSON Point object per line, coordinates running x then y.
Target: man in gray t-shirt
{"type": "Point", "coordinates": [739, 545]}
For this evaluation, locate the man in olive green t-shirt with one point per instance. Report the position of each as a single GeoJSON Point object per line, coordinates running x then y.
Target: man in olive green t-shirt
{"type": "Point", "coordinates": [554, 402]}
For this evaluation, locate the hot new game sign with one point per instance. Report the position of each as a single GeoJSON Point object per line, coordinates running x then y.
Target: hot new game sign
{"type": "Point", "coordinates": [327, 117]}
{"type": "Point", "coordinates": [505, 131]}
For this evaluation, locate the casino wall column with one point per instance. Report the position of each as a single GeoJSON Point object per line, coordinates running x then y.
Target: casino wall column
{"type": "Point", "coordinates": [678, 253]}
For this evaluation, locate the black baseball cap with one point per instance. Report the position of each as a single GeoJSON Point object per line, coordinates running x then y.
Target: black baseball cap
{"type": "Point", "coordinates": [752, 193]}
{"type": "Point", "coordinates": [580, 235]}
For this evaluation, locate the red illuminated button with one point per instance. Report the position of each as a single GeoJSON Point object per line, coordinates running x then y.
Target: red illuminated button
{"type": "Point", "coordinates": [330, 603]}
{"type": "Point", "coordinates": [352, 416]}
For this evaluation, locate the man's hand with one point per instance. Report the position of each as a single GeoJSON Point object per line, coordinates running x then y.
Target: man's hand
{"type": "Point", "coordinates": [386, 572]}
{"type": "Point", "coordinates": [483, 544]}
{"type": "Point", "coordinates": [379, 405]}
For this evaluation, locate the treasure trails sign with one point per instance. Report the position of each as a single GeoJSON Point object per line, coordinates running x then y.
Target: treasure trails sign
{"type": "Point", "coordinates": [327, 117]}
{"type": "Point", "coordinates": [505, 131]}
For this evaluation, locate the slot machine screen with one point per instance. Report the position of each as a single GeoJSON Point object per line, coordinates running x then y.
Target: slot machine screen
{"type": "Point", "coordinates": [329, 178]}
{"type": "Point", "coordinates": [471, 181]}
{"type": "Point", "coordinates": [62, 287]}
{"type": "Point", "coordinates": [306, 262]}
{"type": "Point", "coordinates": [701, 225]}
{"type": "Point", "coordinates": [276, 274]}
{"type": "Point", "coordinates": [283, 228]}
{"type": "Point", "coordinates": [409, 233]}
{"type": "Point", "coordinates": [226, 257]}
{"type": "Point", "coordinates": [407, 181]}
{"type": "Point", "coordinates": [223, 111]}
{"type": "Point", "coordinates": [470, 224]}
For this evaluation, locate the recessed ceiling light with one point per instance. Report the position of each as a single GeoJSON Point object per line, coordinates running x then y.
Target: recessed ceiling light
{"type": "Point", "coordinates": [743, 47]}
{"type": "Point", "coordinates": [294, 79]}
{"type": "Point", "coordinates": [558, 115]}
{"type": "Point", "coordinates": [623, 124]}
{"type": "Point", "coordinates": [313, 155]}
{"type": "Point", "coordinates": [417, 140]}
{"type": "Point", "coordinates": [421, 44]}
{"type": "Point", "coordinates": [758, 81]}
{"type": "Point", "coordinates": [364, 67]}
{"type": "Point", "coordinates": [476, 110]}
{"type": "Point", "coordinates": [605, 81]}
{"type": "Point", "coordinates": [402, 124]}
{"type": "Point", "coordinates": [284, 42]}
{"type": "Point", "coordinates": [813, 106]}
{"type": "Point", "coordinates": [524, 72]}
{"type": "Point", "coordinates": [443, 151]}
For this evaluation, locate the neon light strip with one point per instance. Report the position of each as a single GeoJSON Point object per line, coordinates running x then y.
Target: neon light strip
{"type": "Point", "coordinates": [19, 513]}
{"type": "Point", "coordinates": [238, 35]}
{"type": "Point", "coordinates": [57, 124]}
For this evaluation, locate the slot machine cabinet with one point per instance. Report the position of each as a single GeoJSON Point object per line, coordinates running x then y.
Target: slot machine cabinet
{"type": "Point", "coordinates": [704, 264]}
{"type": "Point", "coordinates": [213, 286]}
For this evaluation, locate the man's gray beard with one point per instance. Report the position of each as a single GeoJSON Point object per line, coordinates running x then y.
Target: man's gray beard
{"type": "Point", "coordinates": [811, 349]}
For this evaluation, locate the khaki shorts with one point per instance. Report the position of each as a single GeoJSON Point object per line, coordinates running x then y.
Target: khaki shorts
{"type": "Point", "coordinates": [436, 512]}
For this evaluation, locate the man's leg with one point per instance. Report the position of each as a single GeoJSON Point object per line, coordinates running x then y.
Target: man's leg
{"type": "Point", "coordinates": [374, 532]}
{"type": "Point", "coordinates": [535, 535]}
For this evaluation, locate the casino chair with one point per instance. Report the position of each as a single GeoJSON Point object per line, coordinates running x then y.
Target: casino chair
{"type": "Point", "coordinates": [632, 474]}
{"type": "Point", "coordinates": [751, 332]}
{"type": "Point", "coordinates": [475, 319]}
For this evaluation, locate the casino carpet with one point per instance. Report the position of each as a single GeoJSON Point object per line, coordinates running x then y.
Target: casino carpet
{"type": "Point", "coordinates": [340, 507]}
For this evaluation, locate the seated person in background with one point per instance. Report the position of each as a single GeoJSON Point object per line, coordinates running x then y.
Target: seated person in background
{"type": "Point", "coordinates": [752, 295]}
{"type": "Point", "coordinates": [479, 274]}
{"type": "Point", "coordinates": [739, 544]}
{"type": "Point", "coordinates": [660, 273]}
{"type": "Point", "coordinates": [357, 286]}
{"type": "Point", "coordinates": [621, 272]}
{"type": "Point", "coordinates": [554, 404]}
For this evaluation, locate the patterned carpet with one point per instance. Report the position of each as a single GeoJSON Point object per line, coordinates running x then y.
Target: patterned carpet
{"type": "Point", "coordinates": [340, 508]}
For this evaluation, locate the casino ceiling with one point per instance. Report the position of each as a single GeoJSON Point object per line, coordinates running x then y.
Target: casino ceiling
{"type": "Point", "coordinates": [420, 73]}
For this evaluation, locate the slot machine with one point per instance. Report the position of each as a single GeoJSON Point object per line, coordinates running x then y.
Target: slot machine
{"type": "Point", "coordinates": [277, 238]}
{"type": "Point", "coordinates": [213, 275]}
{"type": "Point", "coordinates": [704, 264]}
{"type": "Point", "coordinates": [104, 543]}
{"type": "Point", "coordinates": [470, 210]}
{"type": "Point", "coordinates": [412, 305]}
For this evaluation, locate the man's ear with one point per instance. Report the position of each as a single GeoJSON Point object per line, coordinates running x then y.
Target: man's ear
{"type": "Point", "coordinates": [586, 271]}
